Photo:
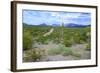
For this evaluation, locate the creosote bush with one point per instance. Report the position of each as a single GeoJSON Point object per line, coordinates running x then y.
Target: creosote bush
{"type": "Point", "coordinates": [27, 40]}
{"type": "Point", "coordinates": [61, 49]}
{"type": "Point", "coordinates": [88, 46]}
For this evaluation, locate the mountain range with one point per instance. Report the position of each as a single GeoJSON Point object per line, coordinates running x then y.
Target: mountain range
{"type": "Point", "coordinates": [76, 25]}
{"type": "Point", "coordinates": [70, 25]}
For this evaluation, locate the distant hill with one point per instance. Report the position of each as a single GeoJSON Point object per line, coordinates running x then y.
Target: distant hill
{"type": "Point", "coordinates": [69, 25]}
{"type": "Point", "coordinates": [72, 25]}
{"type": "Point", "coordinates": [56, 25]}
{"type": "Point", "coordinates": [43, 24]}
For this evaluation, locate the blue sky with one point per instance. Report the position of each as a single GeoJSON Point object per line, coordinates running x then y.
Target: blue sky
{"type": "Point", "coordinates": [33, 17]}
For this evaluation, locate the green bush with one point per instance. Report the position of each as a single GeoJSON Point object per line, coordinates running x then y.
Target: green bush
{"type": "Point", "coordinates": [54, 51]}
{"type": "Point", "coordinates": [76, 54]}
{"type": "Point", "coordinates": [67, 42]}
{"type": "Point", "coordinates": [61, 49]}
{"type": "Point", "coordinates": [67, 51]}
{"type": "Point", "coordinates": [88, 46]}
{"type": "Point", "coordinates": [27, 40]}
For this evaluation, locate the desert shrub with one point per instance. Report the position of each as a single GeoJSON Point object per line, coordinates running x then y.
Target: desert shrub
{"type": "Point", "coordinates": [67, 42]}
{"type": "Point", "coordinates": [67, 51]}
{"type": "Point", "coordinates": [54, 51]}
{"type": "Point", "coordinates": [83, 38]}
{"type": "Point", "coordinates": [76, 54]}
{"type": "Point", "coordinates": [34, 55]}
{"type": "Point", "coordinates": [27, 40]}
{"type": "Point", "coordinates": [42, 40]}
{"type": "Point", "coordinates": [88, 47]}
{"type": "Point", "coordinates": [61, 49]}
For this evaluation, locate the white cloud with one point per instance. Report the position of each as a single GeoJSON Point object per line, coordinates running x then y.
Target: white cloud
{"type": "Point", "coordinates": [55, 14]}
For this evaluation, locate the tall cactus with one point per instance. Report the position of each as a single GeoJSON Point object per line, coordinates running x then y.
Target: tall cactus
{"type": "Point", "coordinates": [62, 33]}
